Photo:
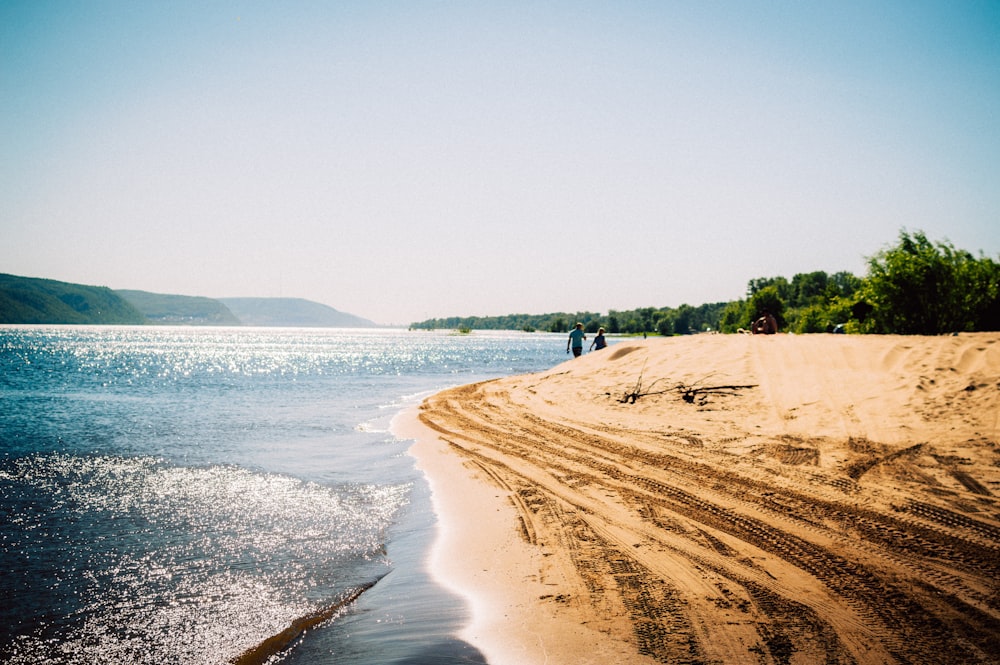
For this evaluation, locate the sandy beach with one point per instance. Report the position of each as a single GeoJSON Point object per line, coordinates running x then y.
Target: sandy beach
{"type": "Point", "coordinates": [726, 499]}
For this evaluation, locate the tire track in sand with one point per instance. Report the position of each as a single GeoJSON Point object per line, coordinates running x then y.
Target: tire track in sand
{"type": "Point", "coordinates": [673, 544]}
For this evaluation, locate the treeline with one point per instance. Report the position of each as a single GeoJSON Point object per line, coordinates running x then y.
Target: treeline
{"type": "Point", "coordinates": [554, 322]}
{"type": "Point", "coordinates": [663, 320]}
{"type": "Point", "coordinates": [915, 287]}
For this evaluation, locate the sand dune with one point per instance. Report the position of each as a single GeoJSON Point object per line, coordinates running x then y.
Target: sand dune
{"type": "Point", "coordinates": [836, 502]}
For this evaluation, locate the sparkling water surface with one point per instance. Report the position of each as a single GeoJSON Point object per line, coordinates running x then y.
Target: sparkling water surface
{"type": "Point", "coordinates": [179, 495]}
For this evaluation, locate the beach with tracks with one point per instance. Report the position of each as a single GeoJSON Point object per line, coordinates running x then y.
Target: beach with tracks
{"type": "Point", "coordinates": [726, 499]}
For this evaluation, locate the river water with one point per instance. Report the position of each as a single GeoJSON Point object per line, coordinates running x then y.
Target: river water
{"type": "Point", "coordinates": [180, 495]}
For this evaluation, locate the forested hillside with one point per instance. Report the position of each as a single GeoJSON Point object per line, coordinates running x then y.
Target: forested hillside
{"type": "Point", "coordinates": [28, 300]}
{"type": "Point", "coordinates": [162, 309]}
{"type": "Point", "coordinates": [291, 312]}
{"type": "Point", "coordinates": [31, 300]}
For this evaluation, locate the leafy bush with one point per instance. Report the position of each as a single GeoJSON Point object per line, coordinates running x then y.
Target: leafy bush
{"type": "Point", "coordinates": [924, 288]}
{"type": "Point", "coordinates": [736, 315]}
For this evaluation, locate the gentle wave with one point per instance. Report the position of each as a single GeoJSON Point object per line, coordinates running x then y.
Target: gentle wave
{"type": "Point", "coordinates": [275, 644]}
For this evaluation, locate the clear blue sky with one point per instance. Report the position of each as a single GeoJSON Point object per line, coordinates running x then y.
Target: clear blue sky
{"type": "Point", "coordinates": [408, 160]}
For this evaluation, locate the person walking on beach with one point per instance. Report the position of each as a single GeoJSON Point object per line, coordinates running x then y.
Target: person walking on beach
{"type": "Point", "coordinates": [576, 337]}
{"type": "Point", "coordinates": [599, 341]}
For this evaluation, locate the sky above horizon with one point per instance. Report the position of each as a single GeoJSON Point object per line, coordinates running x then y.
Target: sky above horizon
{"type": "Point", "coordinates": [408, 160]}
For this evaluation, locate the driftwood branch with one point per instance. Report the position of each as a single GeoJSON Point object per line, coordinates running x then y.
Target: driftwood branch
{"type": "Point", "coordinates": [690, 394]}
{"type": "Point", "coordinates": [638, 391]}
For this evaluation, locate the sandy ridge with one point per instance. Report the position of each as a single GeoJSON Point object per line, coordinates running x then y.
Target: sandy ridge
{"type": "Point", "coordinates": [843, 510]}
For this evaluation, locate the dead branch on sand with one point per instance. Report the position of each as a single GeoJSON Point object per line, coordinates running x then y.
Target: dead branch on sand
{"type": "Point", "coordinates": [637, 391]}
{"type": "Point", "coordinates": [689, 394]}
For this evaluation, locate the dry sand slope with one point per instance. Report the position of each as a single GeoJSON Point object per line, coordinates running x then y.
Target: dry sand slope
{"type": "Point", "coordinates": [842, 509]}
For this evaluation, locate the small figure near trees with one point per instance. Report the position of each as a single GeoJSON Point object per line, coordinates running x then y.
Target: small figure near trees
{"type": "Point", "coordinates": [766, 324]}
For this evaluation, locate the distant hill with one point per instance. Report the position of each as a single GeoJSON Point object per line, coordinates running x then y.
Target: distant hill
{"type": "Point", "coordinates": [165, 309]}
{"type": "Point", "coordinates": [31, 300]}
{"type": "Point", "coordinates": [292, 312]}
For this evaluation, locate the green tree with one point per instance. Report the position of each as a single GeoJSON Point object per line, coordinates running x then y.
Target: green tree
{"type": "Point", "coordinates": [780, 286]}
{"type": "Point", "coordinates": [646, 319]}
{"type": "Point", "coordinates": [980, 281]}
{"type": "Point", "coordinates": [736, 315]}
{"type": "Point", "coordinates": [808, 288]}
{"type": "Point", "coordinates": [684, 319]}
{"type": "Point", "coordinates": [925, 288]}
{"type": "Point", "coordinates": [843, 285]}
{"type": "Point", "coordinates": [811, 319]}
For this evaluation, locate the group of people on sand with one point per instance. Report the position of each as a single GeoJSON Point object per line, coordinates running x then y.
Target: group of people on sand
{"type": "Point", "coordinates": [577, 337]}
{"type": "Point", "coordinates": [765, 325]}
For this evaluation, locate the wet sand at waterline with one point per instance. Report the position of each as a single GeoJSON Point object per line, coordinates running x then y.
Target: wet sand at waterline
{"type": "Point", "coordinates": [726, 499]}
